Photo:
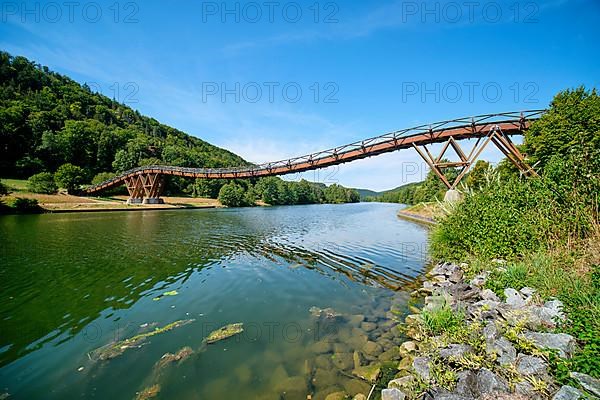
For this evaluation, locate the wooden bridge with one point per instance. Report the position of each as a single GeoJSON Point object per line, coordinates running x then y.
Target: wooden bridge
{"type": "Point", "coordinates": [145, 184]}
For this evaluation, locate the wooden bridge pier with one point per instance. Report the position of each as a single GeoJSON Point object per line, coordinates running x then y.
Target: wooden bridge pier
{"type": "Point", "coordinates": [495, 136]}
{"type": "Point", "coordinates": [145, 188]}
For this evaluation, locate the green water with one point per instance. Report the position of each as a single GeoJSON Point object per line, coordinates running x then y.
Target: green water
{"type": "Point", "coordinates": [71, 283]}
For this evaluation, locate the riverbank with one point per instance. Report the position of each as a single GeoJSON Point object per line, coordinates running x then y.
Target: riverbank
{"type": "Point", "coordinates": [424, 213]}
{"type": "Point", "coordinates": [470, 342]}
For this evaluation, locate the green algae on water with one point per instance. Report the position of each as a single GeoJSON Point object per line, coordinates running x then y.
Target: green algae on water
{"type": "Point", "coordinates": [224, 333]}
{"type": "Point", "coordinates": [115, 349]}
{"type": "Point", "coordinates": [171, 293]}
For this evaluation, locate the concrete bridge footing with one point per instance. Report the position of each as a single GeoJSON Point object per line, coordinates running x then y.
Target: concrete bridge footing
{"type": "Point", "coordinates": [452, 196]}
{"type": "Point", "coordinates": [153, 200]}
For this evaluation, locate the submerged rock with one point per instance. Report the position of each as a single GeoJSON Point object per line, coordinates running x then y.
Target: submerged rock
{"type": "Point", "coordinates": [328, 313]}
{"type": "Point", "coordinates": [369, 373]}
{"type": "Point", "coordinates": [224, 333]}
{"type": "Point", "coordinates": [336, 396]}
{"type": "Point", "coordinates": [343, 361]}
{"type": "Point", "coordinates": [372, 349]}
{"type": "Point", "coordinates": [115, 349]}
{"type": "Point", "coordinates": [169, 358]}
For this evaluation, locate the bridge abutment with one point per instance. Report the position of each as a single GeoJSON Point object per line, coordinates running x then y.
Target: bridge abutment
{"type": "Point", "coordinates": [153, 200]}
{"type": "Point", "coordinates": [145, 188]}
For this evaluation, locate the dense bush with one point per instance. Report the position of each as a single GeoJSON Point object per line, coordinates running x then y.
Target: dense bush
{"type": "Point", "coordinates": [233, 195]}
{"type": "Point", "coordinates": [3, 189]}
{"type": "Point", "coordinates": [70, 177]}
{"type": "Point", "coordinates": [23, 205]}
{"type": "Point", "coordinates": [504, 219]}
{"type": "Point", "coordinates": [42, 183]}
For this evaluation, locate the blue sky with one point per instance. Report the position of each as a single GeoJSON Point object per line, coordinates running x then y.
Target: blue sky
{"type": "Point", "coordinates": [329, 73]}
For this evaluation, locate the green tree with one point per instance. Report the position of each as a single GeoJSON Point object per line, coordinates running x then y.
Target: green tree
{"type": "Point", "coordinates": [208, 187]}
{"type": "Point", "coordinates": [477, 176]}
{"type": "Point", "coordinates": [70, 177]}
{"type": "Point", "coordinates": [571, 125]}
{"type": "Point", "coordinates": [42, 183]}
{"type": "Point", "coordinates": [268, 190]}
{"type": "Point", "coordinates": [124, 161]}
{"type": "Point", "coordinates": [232, 195]}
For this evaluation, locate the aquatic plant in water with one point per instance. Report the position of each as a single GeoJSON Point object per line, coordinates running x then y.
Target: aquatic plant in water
{"type": "Point", "coordinates": [115, 349]}
{"type": "Point", "coordinates": [224, 333]}
{"type": "Point", "coordinates": [183, 354]}
{"type": "Point", "coordinates": [148, 393]}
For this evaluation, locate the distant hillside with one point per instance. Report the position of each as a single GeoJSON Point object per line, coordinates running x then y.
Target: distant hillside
{"type": "Point", "coordinates": [371, 195]}
{"type": "Point", "coordinates": [364, 193]}
{"type": "Point", "coordinates": [47, 120]}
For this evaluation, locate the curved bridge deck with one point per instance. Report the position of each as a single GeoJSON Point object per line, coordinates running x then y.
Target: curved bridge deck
{"type": "Point", "coordinates": [496, 128]}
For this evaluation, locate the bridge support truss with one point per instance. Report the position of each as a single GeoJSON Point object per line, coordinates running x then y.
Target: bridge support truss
{"type": "Point", "coordinates": [496, 136]}
{"type": "Point", "coordinates": [145, 188]}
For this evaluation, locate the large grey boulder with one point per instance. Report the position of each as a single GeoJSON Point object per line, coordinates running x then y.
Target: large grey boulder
{"type": "Point", "coordinates": [514, 298]}
{"type": "Point", "coordinates": [567, 393]}
{"type": "Point", "coordinates": [491, 332]}
{"type": "Point", "coordinates": [590, 384]}
{"type": "Point", "coordinates": [421, 367]}
{"type": "Point", "coordinates": [504, 349]}
{"type": "Point", "coordinates": [488, 294]}
{"type": "Point", "coordinates": [564, 343]}
{"type": "Point", "coordinates": [467, 384]}
{"type": "Point", "coordinates": [392, 394]}
{"type": "Point", "coordinates": [531, 365]}
{"type": "Point", "coordinates": [488, 382]}
{"type": "Point", "coordinates": [455, 351]}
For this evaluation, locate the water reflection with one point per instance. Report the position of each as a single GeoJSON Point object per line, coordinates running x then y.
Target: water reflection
{"type": "Point", "coordinates": [72, 283]}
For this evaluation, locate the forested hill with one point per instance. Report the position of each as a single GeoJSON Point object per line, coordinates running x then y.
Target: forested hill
{"type": "Point", "coordinates": [47, 120]}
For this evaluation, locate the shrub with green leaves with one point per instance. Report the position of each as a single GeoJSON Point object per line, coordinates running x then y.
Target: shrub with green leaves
{"type": "Point", "coordinates": [23, 205]}
{"type": "Point", "coordinates": [42, 183]}
{"type": "Point", "coordinates": [70, 177]}
{"type": "Point", "coordinates": [502, 220]}
{"type": "Point", "coordinates": [3, 189]}
{"type": "Point", "coordinates": [233, 195]}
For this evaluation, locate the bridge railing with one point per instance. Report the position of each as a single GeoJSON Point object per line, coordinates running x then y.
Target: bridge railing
{"type": "Point", "coordinates": [516, 116]}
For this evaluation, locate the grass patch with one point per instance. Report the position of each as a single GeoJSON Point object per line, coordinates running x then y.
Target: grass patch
{"type": "Point", "coordinates": [428, 210]}
{"type": "Point", "coordinates": [442, 320]}
{"type": "Point", "coordinates": [19, 185]}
